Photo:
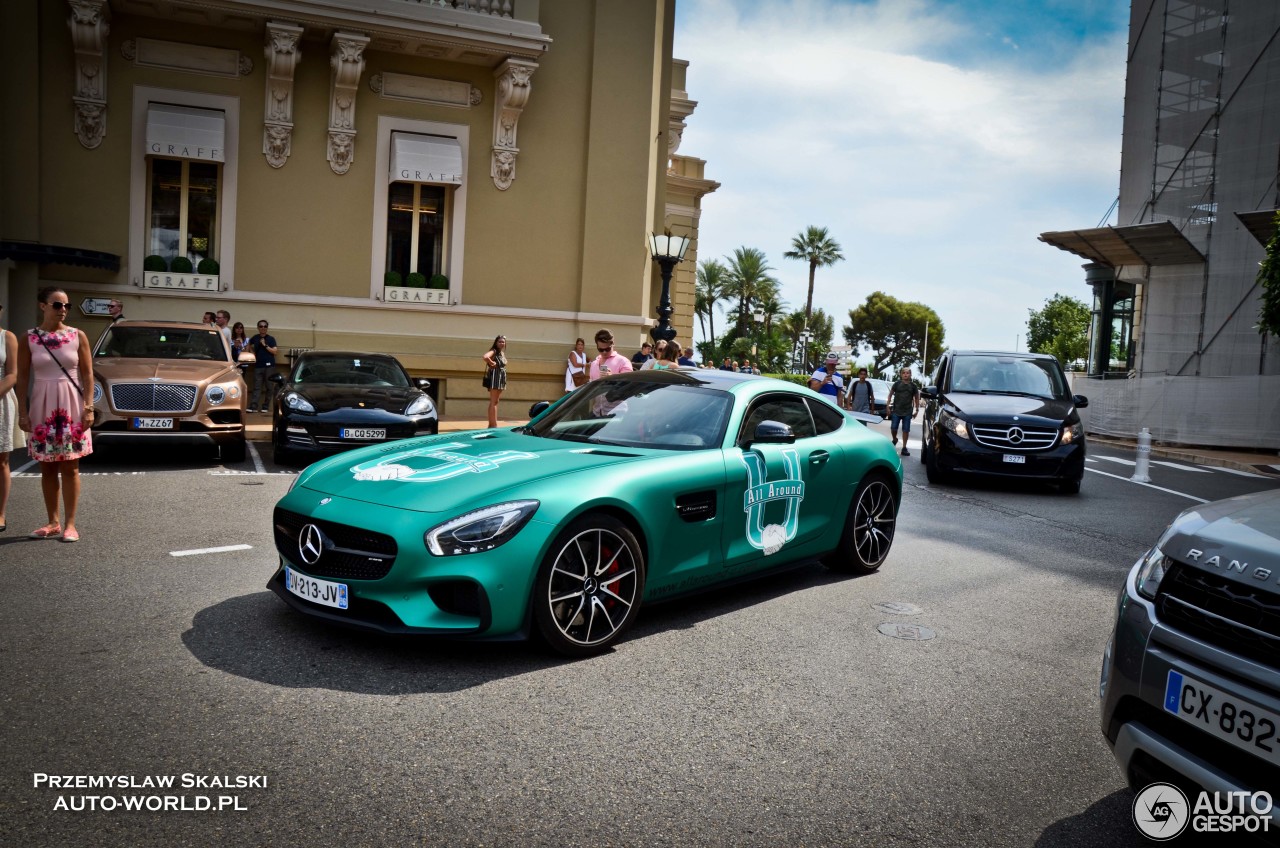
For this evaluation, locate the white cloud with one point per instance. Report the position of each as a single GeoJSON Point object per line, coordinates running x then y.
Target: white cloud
{"type": "Point", "coordinates": [936, 178]}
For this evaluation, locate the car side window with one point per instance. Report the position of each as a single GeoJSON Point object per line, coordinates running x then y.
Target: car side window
{"type": "Point", "coordinates": [791, 411]}
{"type": "Point", "coordinates": [825, 419]}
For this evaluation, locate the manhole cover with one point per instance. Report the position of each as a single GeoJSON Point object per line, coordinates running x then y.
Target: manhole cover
{"type": "Point", "coordinates": [897, 608]}
{"type": "Point", "coordinates": [910, 632]}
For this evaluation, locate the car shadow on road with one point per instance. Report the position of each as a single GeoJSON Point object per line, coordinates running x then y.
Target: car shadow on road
{"type": "Point", "coordinates": [1108, 821]}
{"type": "Point", "coordinates": [257, 637]}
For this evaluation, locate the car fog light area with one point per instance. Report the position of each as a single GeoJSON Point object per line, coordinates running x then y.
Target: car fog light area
{"type": "Point", "coordinates": [479, 531]}
{"type": "Point", "coordinates": [1153, 569]}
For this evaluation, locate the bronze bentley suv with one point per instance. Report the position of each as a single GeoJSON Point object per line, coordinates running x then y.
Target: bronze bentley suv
{"type": "Point", "coordinates": [168, 382]}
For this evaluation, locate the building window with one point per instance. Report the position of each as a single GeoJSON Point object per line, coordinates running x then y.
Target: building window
{"type": "Point", "coordinates": [182, 212]}
{"type": "Point", "coordinates": [417, 237]}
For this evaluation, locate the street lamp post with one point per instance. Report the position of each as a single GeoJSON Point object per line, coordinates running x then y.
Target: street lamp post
{"type": "Point", "coordinates": [668, 251]}
{"type": "Point", "coordinates": [802, 353]}
{"type": "Point", "coordinates": [758, 318]}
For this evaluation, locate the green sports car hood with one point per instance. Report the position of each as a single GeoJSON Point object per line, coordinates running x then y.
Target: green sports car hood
{"type": "Point", "coordinates": [456, 470]}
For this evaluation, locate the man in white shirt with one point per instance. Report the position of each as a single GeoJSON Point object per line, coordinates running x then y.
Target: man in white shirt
{"type": "Point", "coordinates": [223, 322]}
{"type": "Point", "coordinates": [827, 380]}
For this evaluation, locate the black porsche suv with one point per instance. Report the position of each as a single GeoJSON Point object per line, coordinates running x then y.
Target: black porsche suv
{"type": "Point", "coordinates": [1003, 414]}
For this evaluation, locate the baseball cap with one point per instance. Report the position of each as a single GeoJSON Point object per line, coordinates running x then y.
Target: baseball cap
{"type": "Point", "coordinates": [831, 357]}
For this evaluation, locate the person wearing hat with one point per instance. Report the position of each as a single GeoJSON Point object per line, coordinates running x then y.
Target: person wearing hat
{"type": "Point", "coordinates": [827, 380]}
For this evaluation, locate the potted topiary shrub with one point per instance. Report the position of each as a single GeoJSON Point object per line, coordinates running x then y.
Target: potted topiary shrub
{"type": "Point", "coordinates": [180, 265]}
{"type": "Point", "coordinates": [438, 281]}
{"type": "Point", "coordinates": [155, 262]}
{"type": "Point", "coordinates": [208, 266]}
{"type": "Point", "coordinates": [392, 278]}
{"type": "Point", "coordinates": [416, 280]}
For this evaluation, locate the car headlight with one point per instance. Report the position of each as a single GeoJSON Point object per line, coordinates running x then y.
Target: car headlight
{"type": "Point", "coordinates": [97, 392]}
{"type": "Point", "coordinates": [954, 423]}
{"type": "Point", "coordinates": [421, 406]}
{"type": "Point", "coordinates": [215, 395]}
{"type": "Point", "coordinates": [1152, 569]}
{"type": "Point", "coordinates": [297, 402]}
{"type": "Point", "coordinates": [1072, 433]}
{"type": "Point", "coordinates": [481, 530]}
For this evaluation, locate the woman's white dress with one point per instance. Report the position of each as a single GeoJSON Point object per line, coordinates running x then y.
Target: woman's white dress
{"type": "Point", "coordinates": [579, 368]}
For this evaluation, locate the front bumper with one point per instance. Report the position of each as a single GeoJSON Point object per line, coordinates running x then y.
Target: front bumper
{"type": "Point", "coordinates": [400, 587]}
{"type": "Point", "coordinates": [963, 456]}
{"type": "Point", "coordinates": [322, 433]}
{"type": "Point", "coordinates": [211, 427]}
{"type": "Point", "coordinates": [1151, 744]}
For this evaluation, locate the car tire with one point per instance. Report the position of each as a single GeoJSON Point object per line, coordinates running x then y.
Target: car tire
{"type": "Point", "coordinates": [234, 451]}
{"type": "Point", "coordinates": [868, 528]}
{"type": "Point", "coordinates": [931, 469]}
{"type": "Point", "coordinates": [1070, 487]}
{"type": "Point", "coordinates": [589, 587]}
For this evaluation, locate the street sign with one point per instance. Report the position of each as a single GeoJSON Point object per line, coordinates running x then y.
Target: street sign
{"type": "Point", "coordinates": [95, 306]}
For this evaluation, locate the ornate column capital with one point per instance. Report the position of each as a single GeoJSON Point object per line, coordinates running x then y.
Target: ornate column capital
{"type": "Point", "coordinates": [347, 62]}
{"type": "Point", "coordinates": [283, 56]}
{"type": "Point", "coordinates": [510, 96]}
{"type": "Point", "coordinates": [89, 30]}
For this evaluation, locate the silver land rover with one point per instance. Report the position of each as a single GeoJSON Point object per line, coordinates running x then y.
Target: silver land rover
{"type": "Point", "coordinates": [1190, 682]}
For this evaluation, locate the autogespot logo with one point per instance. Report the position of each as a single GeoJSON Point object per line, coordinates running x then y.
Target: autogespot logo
{"type": "Point", "coordinates": [1161, 811]}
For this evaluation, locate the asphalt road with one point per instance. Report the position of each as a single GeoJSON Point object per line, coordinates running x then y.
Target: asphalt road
{"type": "Point", "coordinates": [774, 713]}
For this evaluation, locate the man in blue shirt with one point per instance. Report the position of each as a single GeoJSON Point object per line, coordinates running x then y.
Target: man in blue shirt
{"type": "Point", "coordinates": [686, 361]}
{"type": "Point", "coordinates": [827, 380]}
{"type": "Point", "coordinates": [264, 348]}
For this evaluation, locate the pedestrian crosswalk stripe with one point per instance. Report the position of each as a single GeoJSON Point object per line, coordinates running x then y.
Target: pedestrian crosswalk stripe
{"type": "Point", "coordinates": [1180, 467]}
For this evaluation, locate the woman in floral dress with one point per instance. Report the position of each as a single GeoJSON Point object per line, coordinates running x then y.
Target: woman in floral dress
{"type": "Point", "coordinates": [57, 414]}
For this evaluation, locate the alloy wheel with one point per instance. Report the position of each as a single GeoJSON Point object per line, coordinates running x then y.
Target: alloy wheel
{"type": "Point", "coordinates": [874, 519]}
{"type": "Point", "coordinates": [593, 586]}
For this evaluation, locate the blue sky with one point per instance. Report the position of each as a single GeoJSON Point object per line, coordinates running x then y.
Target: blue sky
{"type": "Point", "coordinates": [935, 139]}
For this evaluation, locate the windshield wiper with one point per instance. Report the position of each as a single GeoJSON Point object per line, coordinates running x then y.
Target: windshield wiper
{"type": "Point", "coordinates": [1012, 392]}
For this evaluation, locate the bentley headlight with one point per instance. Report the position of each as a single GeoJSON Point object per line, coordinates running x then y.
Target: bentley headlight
{"type": "Point", "coordinates": [1072, 433]}
{"type": "Point", "coordinates": [481, 530]}
{"type": "Point", "coordinates": [97, 393]}
{"type": "Point", "coordinates": [215, 395]}
{"type": "Point", "coordinates": [1152, 569]}
{"type": "Point", "coordinates": [954, 424]}
{"type": "Point", "coordinates": [421, 406]}
{"type": "Point", "coordinates": [298, 403]}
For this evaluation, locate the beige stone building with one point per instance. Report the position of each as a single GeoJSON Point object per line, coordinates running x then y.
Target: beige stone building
{"type": "Point", "coordinates": [403, 176]}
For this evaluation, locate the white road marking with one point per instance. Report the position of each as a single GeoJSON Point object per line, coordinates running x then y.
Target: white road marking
{"type": "Point", "coordinates": [1180, 467]}
{"type": "Point", "coordinates": [93, 474]}
{"type": "Point", "coordinates": [1242, 473]}
{"type": "Point", "coordinates": [1118, 459]}
{"type": "Point", "coordinates": [222, 550]}
{"type": "Point", "coordinates": [24, 468]}
{"type": "Point", "coordinates": [1148, 485]}
{"type": "Point", "coordinates": [257, 460]}
{"type": "Point", "coordinates": [233, 473]}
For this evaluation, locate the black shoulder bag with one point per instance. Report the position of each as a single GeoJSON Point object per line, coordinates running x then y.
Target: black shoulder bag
{"type": "Point", "coordinates": [43, 344]}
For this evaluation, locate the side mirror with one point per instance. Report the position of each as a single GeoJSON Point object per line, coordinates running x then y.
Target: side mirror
{"type": "Point", "coordinates": [276, 378]}
{"type": "Point", "coordinates": [246, 357]}
{"type": "Point", "coordinates": [773, 433]}
{"type": "Point", "coordinates": [538, 408]}
{"type": "Point", "coordinates": [422, 383]}
{"type": "Point", "coordinates": [930, 391]}
{"type": "Point", "coordinates": [1080, 401]}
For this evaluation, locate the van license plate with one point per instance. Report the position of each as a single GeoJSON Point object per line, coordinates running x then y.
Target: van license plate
{"type": "Point", "coordinates": [1015, 458]}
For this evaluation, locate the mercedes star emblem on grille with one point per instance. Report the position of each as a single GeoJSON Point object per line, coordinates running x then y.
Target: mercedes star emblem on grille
{"type": "Point", "coordinates": [1016, 435]}
{"type": "Point", "coordinates": [310, 544]}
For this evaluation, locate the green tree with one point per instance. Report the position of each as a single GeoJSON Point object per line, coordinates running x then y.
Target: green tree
{"type": "Point", "coordinates": [894, 332]}
{"type": "Point", "coordinates": [748, 280]}
{"type": "Point", "coordinates": [1061, 328]}
{"type": "Point", "coordinates": [819, 250]}
{"type": "Point", "coordinates": [1269, 279]}
{"type": "Point", "coordinates": [709, 289]}
{"type": "Point", "coordinates": [821, 329]}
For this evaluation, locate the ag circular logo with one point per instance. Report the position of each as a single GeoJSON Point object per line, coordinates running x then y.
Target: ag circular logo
{"type": "Point", "coordinates": [1161, 811]}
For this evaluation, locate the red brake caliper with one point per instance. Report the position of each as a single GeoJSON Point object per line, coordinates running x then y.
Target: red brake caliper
{"type": "Point", "coordinates": [612, 587]}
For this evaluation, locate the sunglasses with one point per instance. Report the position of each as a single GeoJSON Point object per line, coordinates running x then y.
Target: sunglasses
{"type": "Point", "coordinates": [58, 304]}
{"type": "Point", "coordinates": [262, 326]}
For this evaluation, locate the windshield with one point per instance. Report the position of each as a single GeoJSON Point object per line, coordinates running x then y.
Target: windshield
{"type": "Point", "coordinates": [639, 414]}
{"type": "Point", "coordinates": [350, 371]}
{"type": "Point", "coordinates": [163, 343]}
{"type": "Point", "coordinates": [1009, 375]}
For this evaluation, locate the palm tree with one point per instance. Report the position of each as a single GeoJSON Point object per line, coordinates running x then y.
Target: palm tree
{"type": "Point", "coordinates": [818, 249]}
{"type": "Point", "coordinates": [748, 280]}
{"type": "Point", "coordinates": [708, 290]}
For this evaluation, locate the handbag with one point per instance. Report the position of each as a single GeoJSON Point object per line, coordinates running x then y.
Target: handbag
{"type": "Point", "coordinates": [579, 378]}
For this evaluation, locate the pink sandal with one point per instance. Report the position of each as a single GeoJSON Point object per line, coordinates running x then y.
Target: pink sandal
{"type": "Point", "coordinates": [71, 536]}
{"type": "Point", "coordinates": [49, 531]}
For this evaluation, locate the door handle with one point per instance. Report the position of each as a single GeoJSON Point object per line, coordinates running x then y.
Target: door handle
{"type": "Point", "coordinates": [818, 457]}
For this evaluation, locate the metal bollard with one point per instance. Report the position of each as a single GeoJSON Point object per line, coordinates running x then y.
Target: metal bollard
{"type": "Point", "coordinates": [1140, 474]}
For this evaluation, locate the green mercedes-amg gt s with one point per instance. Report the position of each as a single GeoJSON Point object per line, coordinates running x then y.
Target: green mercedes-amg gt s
{"type": "Point", "coordinates": [631, 489]}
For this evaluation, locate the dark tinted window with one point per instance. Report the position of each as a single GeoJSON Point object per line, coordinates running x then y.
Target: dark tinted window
{"type": "Point", "coordinates": [1008, 375]}
{"type": "Point", "coordinates": [790, 410]}
{"type": "Point", "coordinates": [163, 343]}
{"type": "Point", "coordinates": [633, 413]}
{"type": "Point", "coordinates": [351, 371]}
{"type": "Point", "coordinates": [826, 419]}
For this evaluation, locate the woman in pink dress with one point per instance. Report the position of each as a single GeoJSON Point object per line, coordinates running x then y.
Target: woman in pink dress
{"type": "Point", "coordinates": [58, 412]}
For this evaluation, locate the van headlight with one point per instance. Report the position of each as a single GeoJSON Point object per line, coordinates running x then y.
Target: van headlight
{"type": "Point", "coordinates": [1072, 433]}
{"type": "Point", "coordinates": [954, 424]}
{"type": "Point", "coordinates": [481, 530]}
{"type": "Point", "coordinates": [1151, 570]}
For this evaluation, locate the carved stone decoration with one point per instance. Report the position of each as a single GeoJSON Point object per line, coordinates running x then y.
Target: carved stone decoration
{"type": "Point", "coordinates": [347, 63]}
{"type": "Point", "coordinates": [129, 49]}
{"type": "Point", "coordinates": [282, 59]}
{"type": "Point", "coordinates": [89, 29]}
{"type": "Point", "coordinates": [375, 83]}
{"type": "Point", "coordinates": [246, 66]}
{"type": "Point", "coordinates": [477, 96]}
{"type": "Point", "coordinates": [510, 96]}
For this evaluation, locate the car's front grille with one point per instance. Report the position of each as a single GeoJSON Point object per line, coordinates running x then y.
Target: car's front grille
{"type": "Point", "coordinates": [1235, 617]}
{"type": "Point", "coordinates": [153, 397]}
{"type": "Point", "coordinates": [1015, 438]}
{"type": "Point", "coordinates": [346, 552]}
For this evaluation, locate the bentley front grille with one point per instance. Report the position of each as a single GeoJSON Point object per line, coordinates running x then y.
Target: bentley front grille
{"type": "Point", "coordinates": [153, 397]}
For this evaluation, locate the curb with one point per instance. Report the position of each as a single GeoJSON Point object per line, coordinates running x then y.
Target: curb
{"type": "Point", "coordinates": [1191, 456]}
